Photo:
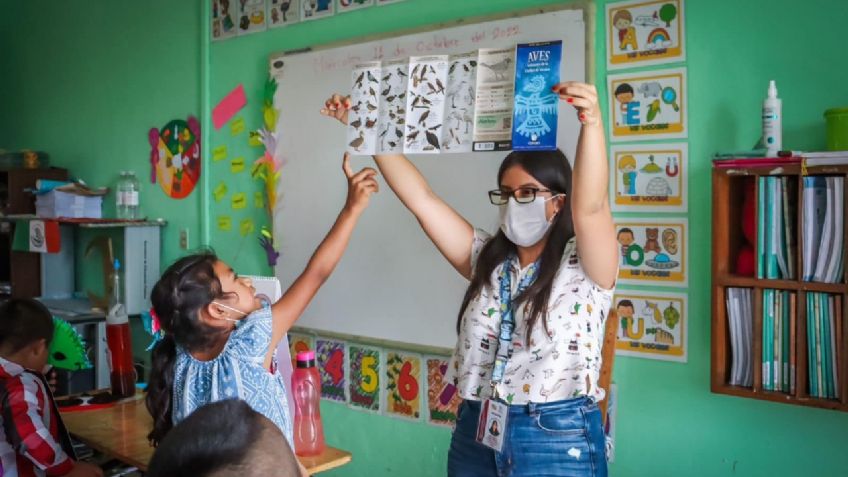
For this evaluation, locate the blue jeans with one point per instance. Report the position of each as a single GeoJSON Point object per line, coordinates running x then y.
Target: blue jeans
{"type": "Point", "coordinates": [564, 438]}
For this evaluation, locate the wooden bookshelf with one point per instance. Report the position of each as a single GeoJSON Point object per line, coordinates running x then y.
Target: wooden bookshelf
{"type": "Point", "coordinates": [728, 196]}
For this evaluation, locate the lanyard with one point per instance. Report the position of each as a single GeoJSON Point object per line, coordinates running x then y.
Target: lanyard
{"type": "Point", "coordinates": [507, 326]}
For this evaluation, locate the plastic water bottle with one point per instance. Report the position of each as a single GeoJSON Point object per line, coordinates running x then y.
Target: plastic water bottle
{"type": "Point", "coordinates": [120, 196]}
{"type": "Point", "coordinates": [306, 390]}
{"type": "Point", "coordinates": [122, 372]}
{"type": "Point", "coordinates": [131, 197]}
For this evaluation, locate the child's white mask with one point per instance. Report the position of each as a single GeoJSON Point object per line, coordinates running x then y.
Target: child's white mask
{"type": "Point", "coordinates": [231, 309]}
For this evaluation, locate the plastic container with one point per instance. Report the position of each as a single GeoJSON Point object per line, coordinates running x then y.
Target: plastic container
{"type": "Point", "coordinates": [306, 391]}
{"type": "Point", "coordinates": [837, 129]}
{"type": "Point", "coordinates": [127, 204]}
{"type": "Point", "coordinates": [118, 342]}
{"type": "Point", "coordinates": [772, 122]}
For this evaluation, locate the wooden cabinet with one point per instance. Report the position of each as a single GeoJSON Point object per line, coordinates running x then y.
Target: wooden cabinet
{"type": "Point", "coordinates": [19, 271]}
{"type": "Point", "coordinates": [729, 186]}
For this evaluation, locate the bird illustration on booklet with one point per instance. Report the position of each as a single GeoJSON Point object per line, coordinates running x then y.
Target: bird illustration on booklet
{"type": "Point", "coordinates": [535, 113]}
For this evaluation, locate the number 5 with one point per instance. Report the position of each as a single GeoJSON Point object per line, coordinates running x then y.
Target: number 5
{"type": "Point", "coordinates": [369, 374]}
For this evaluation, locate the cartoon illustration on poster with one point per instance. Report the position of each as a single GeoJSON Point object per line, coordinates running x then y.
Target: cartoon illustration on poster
{"type": "Point", "coordinates": [653, 251]}
{"type": "Point", "coordinates": [649, 178]}
{"type": "Point", "coordinates": [641, 33]}
{"type": "Point", "coordinates": [651, 325]}
{"type": "Point", "coordinates": [648, 105]}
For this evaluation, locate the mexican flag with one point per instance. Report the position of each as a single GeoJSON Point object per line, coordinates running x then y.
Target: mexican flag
{"type": "Point", "coordinates": [40, 236]}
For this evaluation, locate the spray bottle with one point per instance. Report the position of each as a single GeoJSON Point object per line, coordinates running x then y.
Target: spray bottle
{"type": "Point", "coordinates": [772, 122]}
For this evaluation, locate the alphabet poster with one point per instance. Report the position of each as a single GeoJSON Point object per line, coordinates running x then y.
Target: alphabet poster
{"type": "Point", "coordinates": [652, 325]}
{"type": "Point", "coordinates": [648, 105]}
{"type": "Point", "coordinates": [442, 396]}
{"type": "Point", "coordinates": [403, 384]}
{"type": "Point", "coordinates": [641, 33]}
{"type": "Point", "coordinates": [331, 367]}
{"type": "Point", "coordinates": [364, 368]}
{"type": "Point", "coordinates": [649, 178]}
{"type": "Point", "coordinates": [653, 252]}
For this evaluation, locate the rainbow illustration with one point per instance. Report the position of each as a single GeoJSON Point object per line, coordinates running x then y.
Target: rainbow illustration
{"type": "Point", "coordinates": [659, 38]}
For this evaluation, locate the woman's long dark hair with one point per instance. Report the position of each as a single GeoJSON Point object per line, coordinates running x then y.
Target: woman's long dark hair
{"type": "Point", "coordinates": [552, 170]}
{"type": "Point", "coordinates": [187, 285]}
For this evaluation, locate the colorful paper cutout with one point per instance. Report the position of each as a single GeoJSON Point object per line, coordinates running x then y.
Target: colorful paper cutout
{"type": "Point", "coordinates": [219, 153]}
{"type": "Point", "coordinates": [403, 384]}
{"type": "Point", "coordinates": [220, 191]}
{"type": "Point", "coordinates": [237, 126]}
{"type": "Point", "coordinates": [229, 106]}
{"type": "Point", "coordinates": [331, 366]}
{"type": "Point", "coordinates": [259, 200]}
{"type": "Point", "coordinates": [225, 223]}
{"type": "Point", "coordinates": [237, 165]}
{"type": "Point", "coordinates": [246, 227]}
{"type": "Point", "coordinates": [266, 241]}
{"type": "Point", "coordinates": [239, 201]}
{"type": "Point", "coordinates": [364, 377]}
{"type": "Point", "coordinates": [443, 398]}
{"type": "Point", "coordinates": [175, 156]}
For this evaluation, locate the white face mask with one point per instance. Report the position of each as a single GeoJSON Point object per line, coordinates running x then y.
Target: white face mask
{"type": "Point", "coordinates": [231, 309]}
{"type": "Point", "coordinates": [525, 224]}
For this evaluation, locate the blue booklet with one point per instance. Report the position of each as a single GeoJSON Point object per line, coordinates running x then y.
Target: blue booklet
{"type": "Point", "coordinates": [534, 121]}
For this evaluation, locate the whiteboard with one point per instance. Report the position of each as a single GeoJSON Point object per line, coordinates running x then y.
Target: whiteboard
{"type": "Point", "coordinates": [392, 283]}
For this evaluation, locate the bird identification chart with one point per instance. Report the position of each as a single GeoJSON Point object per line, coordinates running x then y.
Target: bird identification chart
{"type": "Point", "coordinates": [456, 103]}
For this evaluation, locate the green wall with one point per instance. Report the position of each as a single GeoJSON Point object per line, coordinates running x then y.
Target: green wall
{"type": "Point", "coordinates": [669, 423]}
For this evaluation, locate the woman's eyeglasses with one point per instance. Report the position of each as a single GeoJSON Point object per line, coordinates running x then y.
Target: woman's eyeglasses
{"type": "Point", "coordinates": [522, 195]}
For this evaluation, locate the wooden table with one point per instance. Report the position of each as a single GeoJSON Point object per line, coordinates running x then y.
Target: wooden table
{"type": "Point", "coordinates": [121, 431]}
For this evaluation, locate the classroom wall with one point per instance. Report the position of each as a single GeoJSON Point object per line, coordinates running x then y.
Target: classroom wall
{"type": "Point", "coordinates": [669, 423]}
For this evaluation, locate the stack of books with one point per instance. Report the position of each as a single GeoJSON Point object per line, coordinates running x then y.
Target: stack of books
{"type": "Point", "coordinates": [740, 314]}
{"type": "Point", "coordinates": [779, 341]}
{"type": "Point", "coordinates": [823, 229]}
{"type": "Point", "coordinates": [824, 329]}
{"type": "Point", "coordinates": [776, 228]}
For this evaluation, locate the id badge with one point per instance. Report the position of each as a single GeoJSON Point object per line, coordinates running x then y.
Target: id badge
{"type": "Point", "coordinates": [491, 427]}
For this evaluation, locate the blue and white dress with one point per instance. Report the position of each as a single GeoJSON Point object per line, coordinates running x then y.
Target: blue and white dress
{"type": "Point", "coordinates": [236, 373]}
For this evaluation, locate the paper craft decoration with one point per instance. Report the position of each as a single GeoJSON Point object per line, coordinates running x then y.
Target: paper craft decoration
{"type": "Point", "coordinates": [239, 201]}
{"type": "Point", "coordinates": [299, 343]}
{"type": "Point", "coordinates": [267, 168]}
{"type": "Point", "coordinates": [283, 12]}
{"type": "Point", "coordinates": [266, 241]}
{"type": "Point", "coordinates": [495, 96]}
{"type": "Point", "coordinates": [331, 367]}
{"type": "Point", "coordinates": [251, 16]}
{"type": "Point", "coordinates": [653, 251]}
{"type": "Point", "coordinates": [350, 5]}
{"type": "Point", "coordinates": [175, 156]}
{"type": "Point", "coordinates": [442, 396]}
{"type": "Point", "coordinates": [229, 106]}
{"type": "Point", "coordinates": [237, 126]}
{"type": "Point", "coordinates": [67, 349]}
{"type": "Point", "coordinates": [650, 105]}
{"type": "Point", "coordinates": [315, 9]}
{"type": "Point", "coordinates": [224, 15]}
{"type": "Point", "coordinates": [225, 223]}
{"type": "Point", "coordinates": [458, 130]}
{"type": "Point", "coordinates": [365, 370]}
{"type": "Point", "coordinates": [246, 227]}
{"type": "Point", "coordinates": [643, 33]}
{"type": "Point", "coordinates": [534, 123]}
{"type": "Point", "coordinates": [403, 384]}
{"type": "Point", "coordinates": [392, 107]}
{"type": "Point", "coordinates": [362, 119]}
{"type": "Point", "coordinates": [41, 236]}
{"type": "Point", "coordinates": [220, 191]}
{"type": "Point", "coordinates": [219, 153]}
{"type": "Point", "coordinates": [425, 103]}
{"type": "Point", "coordinates": [652, 325]}
{"type": "Point", "coordinates": [237, 165]}
{"type": "Point", "coordinates": [649, 178]}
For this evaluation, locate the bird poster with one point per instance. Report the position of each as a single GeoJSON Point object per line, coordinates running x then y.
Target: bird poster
{"type": "Point", "coordinates": [224, 17]}
{"type": "Point", "coordinates": [251, 16]}
{"type": "Point", "coordinates": [425, 104]}
{"type": "Point", "coordinates": [283, 12]}
{"type": "Point", "coordinates": [458, 130]}
{"type": "Point", "coordinates": [648, 105]}
{"type": "Point", "coordinates": [649, 178]}
{"type": "Point", "coordinates": [315, 9]}
{"type": "Point", "coordinates": [365, 102]}
{"type": "Point", "coordinates": [653, 252]}
{"type": "Point", "coordinates": [350, 5]}
{"type": "Point", "coordinates": [651, 324]}
{"type": "Point", "coordinates": [534, 124]}
{"type": "Point", "coordinates": [641, 33]}
{"type": "Point", "coordinates": [495, 96]}
{"type": "Point", "coordinates": [392, 107]}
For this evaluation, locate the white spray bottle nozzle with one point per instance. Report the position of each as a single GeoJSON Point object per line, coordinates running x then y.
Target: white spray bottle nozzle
{"type": "Point", "coordinates": [772, 89]}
